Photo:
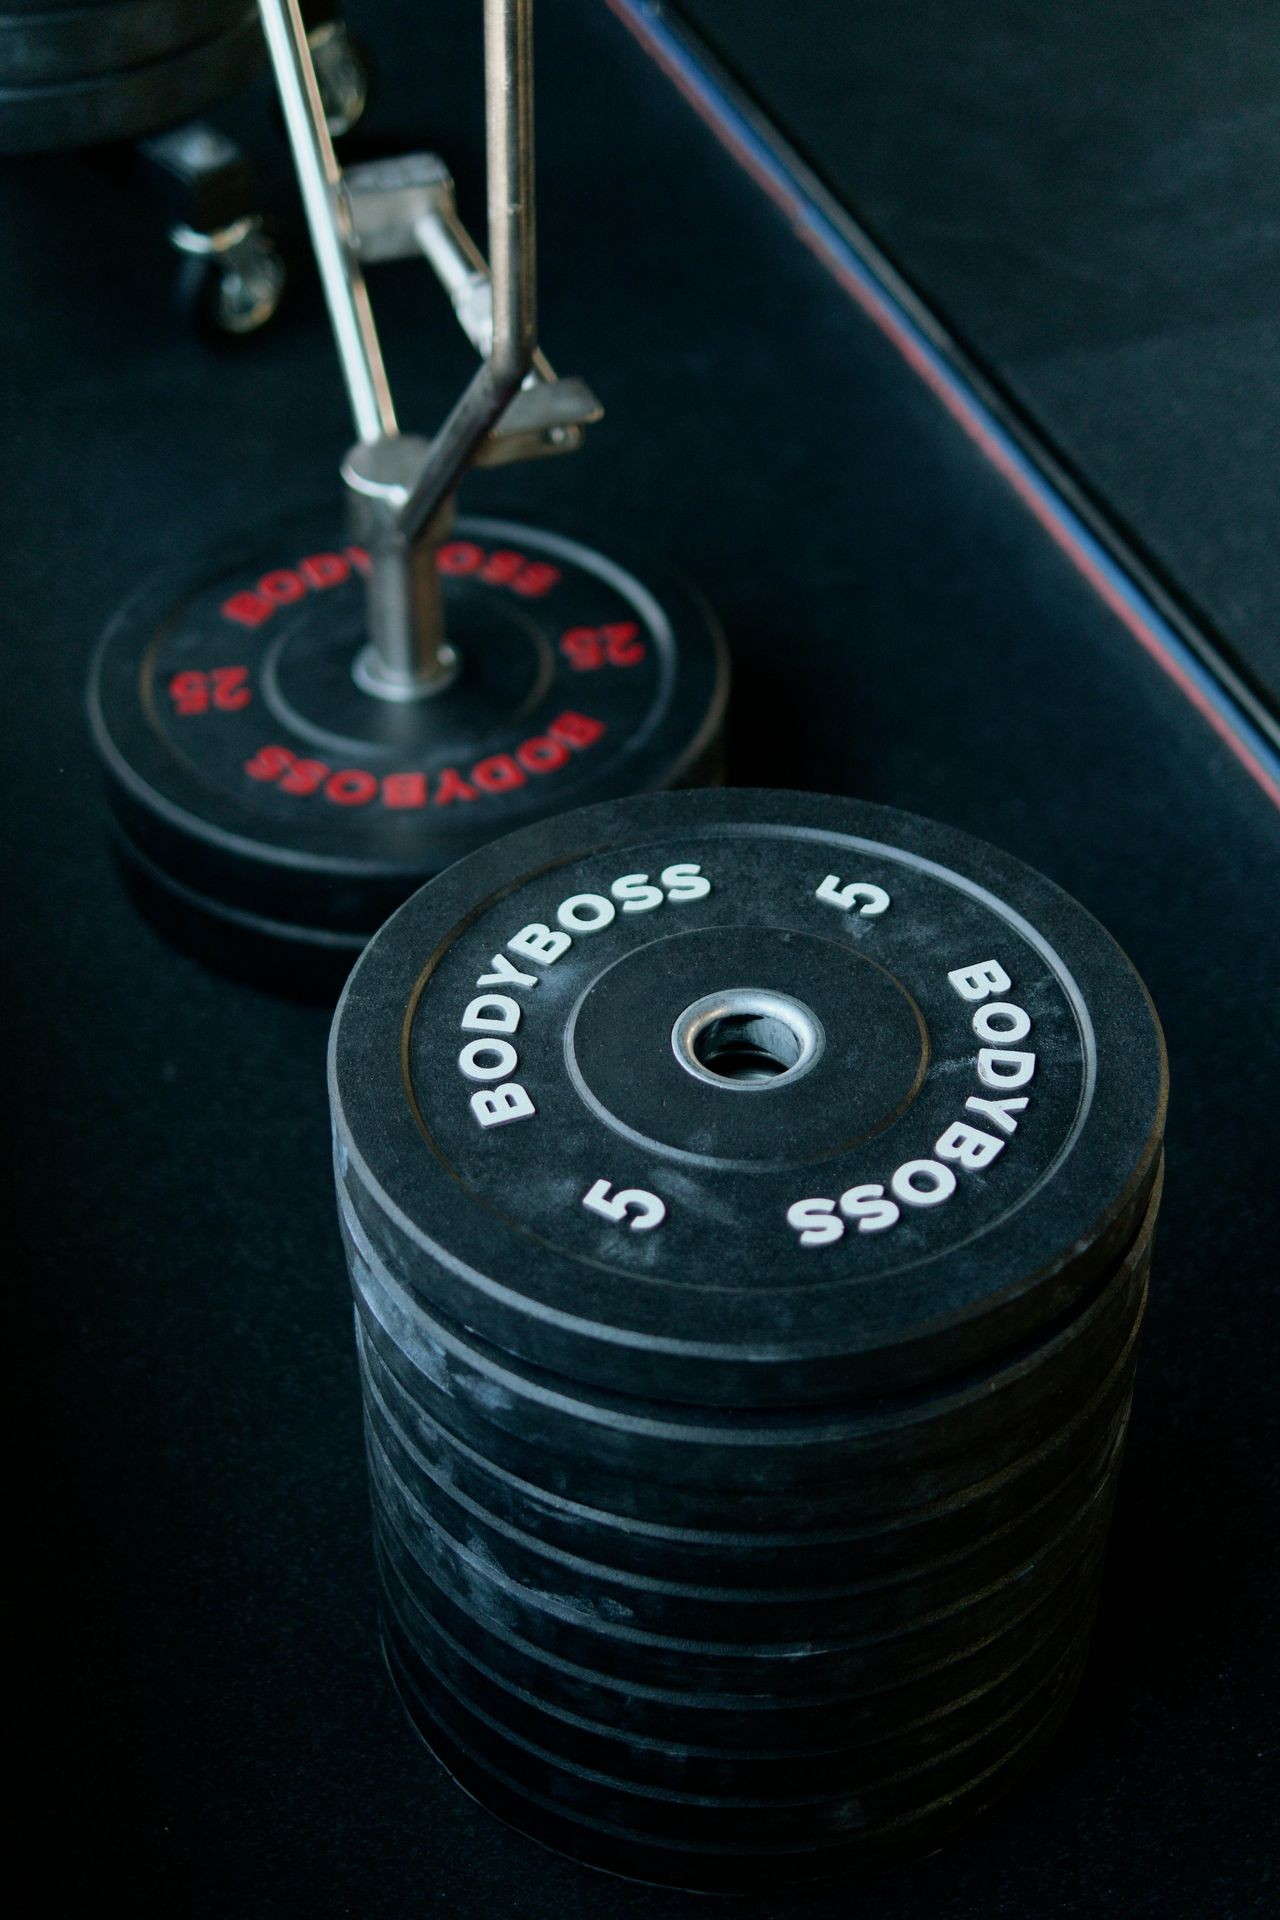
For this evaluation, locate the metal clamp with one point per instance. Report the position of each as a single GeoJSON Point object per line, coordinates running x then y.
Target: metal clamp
{"type": "Point", "coordinates": [407, 206]}
{"type": "Point", "coordinates": [401, 488]}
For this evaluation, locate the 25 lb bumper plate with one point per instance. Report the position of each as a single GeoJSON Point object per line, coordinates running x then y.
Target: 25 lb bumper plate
{"type": "Point", "coordinates": [272, 801]}
{"type": "Point", "coordinates": [748, 1200]}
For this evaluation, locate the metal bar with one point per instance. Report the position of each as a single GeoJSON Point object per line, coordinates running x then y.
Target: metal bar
{"type": "Point", "coordinates": [508, 75]}
{"type": "Point", "coordinates": [508, 110]}
{"type": "Point", "coordinates": [463, 272]}
{"type": "Point", "coordinates": [407, 655]}
{"type": "Point", "coordinates": [320, 180]}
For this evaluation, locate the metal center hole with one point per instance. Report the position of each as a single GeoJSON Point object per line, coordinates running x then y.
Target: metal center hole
{"type": "Point", "coordinates": [747, 1046]}
{"type": "Point", "coordinates": [746, 1039]}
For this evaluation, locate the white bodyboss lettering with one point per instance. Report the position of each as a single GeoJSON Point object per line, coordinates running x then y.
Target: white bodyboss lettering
{"type": "Point", "coordinates": [585, 912]}
{"type": "Point", "coordinates": [816, 1222]}
{"type": "Point", "coordinates": [1001, 1021]}
{"type": "Point", "coordinates": [969, 1147]}
{"type": "Point", "coordinates": [538, 943]}
{"type": "Point", "coordinates": [505, 975]}
{"type": "Point", "coordinates": [1000, 1111]}
{"type": "Point", "coordinates": [636, 894]}
{"type": "Point", "coordinates": [487, 1059]}
{"type": "Point", "coordinates": [492, 1013]}
{"type": "Point", "coordinates": [939, 1183]}
{"type": "Point", "coordinates": [870, 1208]}
{"type": "Point", "coordinates": [928, 1183]}
{"type": "Point", "coordinates": [684, 881]}
{"type": "Point", "coordinates": [498, 1013]}
{"type": "Point", "coordinates": [975, 983]}
{"type": "Point", "coordinates": [1005, 1068]}
{"type": "Point", "coordinates": [499, 1104]}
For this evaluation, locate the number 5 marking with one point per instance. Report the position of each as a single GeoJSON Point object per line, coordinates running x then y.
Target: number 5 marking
{"type": "Point", "coordinates": [874, 899]}
{"type": "Point", "coordinates": [646, 1208]}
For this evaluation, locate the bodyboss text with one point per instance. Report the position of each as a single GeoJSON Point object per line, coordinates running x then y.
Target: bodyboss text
{"type": "Point", "coordinates": [1003, 1067]}
{"type": "Point", "coordinates": [495, 1013]}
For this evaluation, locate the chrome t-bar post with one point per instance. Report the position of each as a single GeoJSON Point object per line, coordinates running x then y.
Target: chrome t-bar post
{"type": "Point", "coordinates": [401, 487]}
{"type": "Point", "coordinates": [508, 89]}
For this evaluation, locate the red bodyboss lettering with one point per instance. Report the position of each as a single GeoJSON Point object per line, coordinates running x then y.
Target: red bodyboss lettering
{"type": "Point", "coordinates": [569, 733]}
{"type": "Point", "coordinates": [284, 586]}
{"type": "Point", "coordinates": [321, 570]}
{"type": "Point", "coordinates": [303, 776]}
{"type": "Point", "coordinates": [459, 556]}
{"type": "Point", "coordinates": [351, 788]}
{"type": "Point", "coordinates": [404, 790]}
{"type": "Point", "coordinates": [497, 775]}
{"type": "Point", "coordinates": [268, 763]}
{"type": "Point", "coordinates": [450, 786]}
{"type": "Point", "coordinates": [317, 573]}
{"type": "Point", "coordinates": [542, 754]}
{"type": "Point", "coordinates": [247, 609]}
{"type": "Point", "coordinates": [538, 577]}
{"type": "Point", "coordinates": [577, 730]}
{"type": "Point", "coordinates": [501, 568]}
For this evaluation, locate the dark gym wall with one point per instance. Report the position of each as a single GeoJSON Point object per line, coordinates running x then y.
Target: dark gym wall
{"type": "Point", "coordinates": [1089, 193]}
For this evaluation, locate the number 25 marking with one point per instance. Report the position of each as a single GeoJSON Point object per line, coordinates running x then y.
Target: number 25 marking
{"type": "Point", "coordinates": [645, 1209]}
{"type": "Point", "coordinates": [225, 688]}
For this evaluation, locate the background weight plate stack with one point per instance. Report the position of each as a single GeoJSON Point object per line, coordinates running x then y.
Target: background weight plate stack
{"type": "Point", "coordinates": [105, 70]}
{"type": "Point", "coordinates": [748, 1201]}
{"type": "Point", "coordinates": [272, 811]}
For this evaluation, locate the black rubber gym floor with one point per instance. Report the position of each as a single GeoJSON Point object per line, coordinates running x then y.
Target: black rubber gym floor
{"type": "Point", "coordinates": [213, 1729]}
{"type": "Point", "coordinates": [1090, 194]}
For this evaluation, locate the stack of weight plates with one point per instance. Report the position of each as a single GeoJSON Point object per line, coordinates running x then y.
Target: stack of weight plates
{"type": "Point", "coordinates": [102, 70]}
{"type": "Point", "coordinates": [272, 810]}
{"type": "Point", "coordinates": [748, 1199]}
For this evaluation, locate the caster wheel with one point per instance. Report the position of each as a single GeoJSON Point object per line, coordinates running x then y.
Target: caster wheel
{"type": "Point", "coordinates": [230, 284]}
{"type": "Point", "coordinates": [343, 70]}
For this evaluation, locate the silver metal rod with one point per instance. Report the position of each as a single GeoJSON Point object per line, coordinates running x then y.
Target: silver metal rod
{"type": "Point", "coordinates": [508, 81]}
{"type": "Point", "coordinates": [463, 272]}
{"type": "Point", "coordinates": [407, 655]}
{"type": "Point", "coordinates": [320, 179]}
{"type": "Point", "coordinates": [508, 111]}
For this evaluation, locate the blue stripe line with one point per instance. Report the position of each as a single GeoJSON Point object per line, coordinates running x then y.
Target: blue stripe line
{"type": "Point", "coordinates": [648, 19]}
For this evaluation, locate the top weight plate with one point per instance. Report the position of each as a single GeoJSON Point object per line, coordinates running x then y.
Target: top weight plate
{"type": "Point", "coordinates": [748, 1098]}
